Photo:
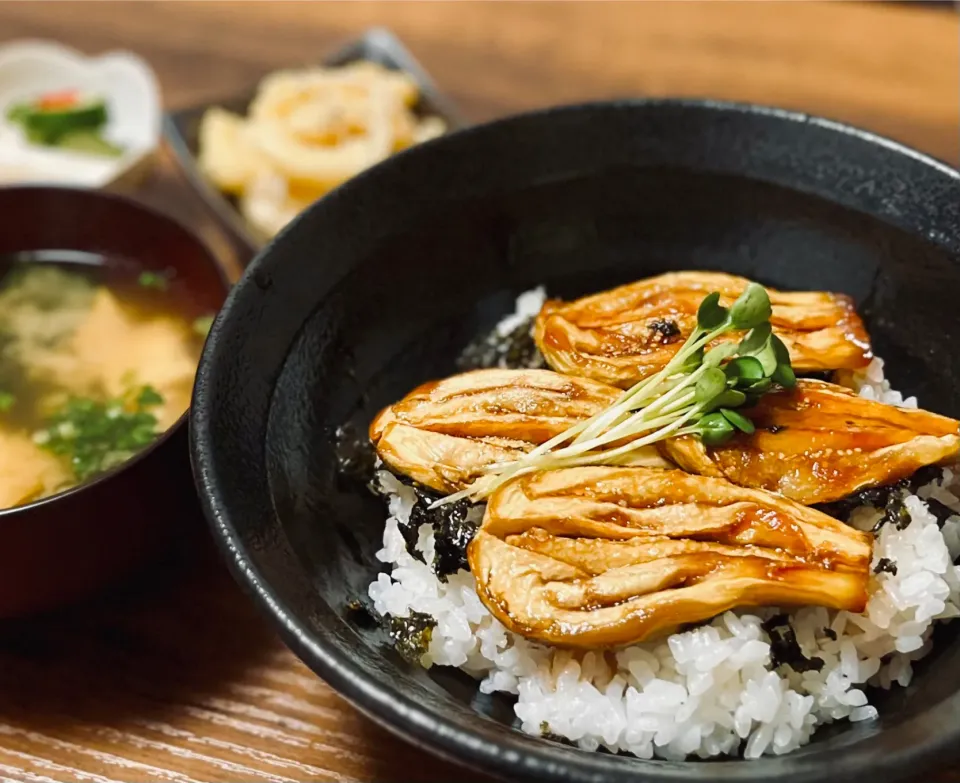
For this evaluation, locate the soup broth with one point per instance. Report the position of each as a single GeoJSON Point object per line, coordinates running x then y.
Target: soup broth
{"type": "Point", "coordinates": [97, 360]}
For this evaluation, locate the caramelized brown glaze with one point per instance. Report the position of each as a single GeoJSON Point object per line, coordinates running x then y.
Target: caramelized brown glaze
{"type": "Point", "coordinates": [820, 442]}
{"type": "Point", "coordinates": [626, 334]}
{"type": "Point", "coordinates": [605, 557]}
{"type": "Point", "coordinates": [444, 433]}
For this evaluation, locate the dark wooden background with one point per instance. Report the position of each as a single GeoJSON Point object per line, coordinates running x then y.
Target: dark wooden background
{"type": "Point", "coordinates": [175, 677]}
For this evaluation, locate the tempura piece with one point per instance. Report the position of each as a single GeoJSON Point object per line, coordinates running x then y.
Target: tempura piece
{"type": "Point", "coordinates": [820, 442]}
{"type": "Point", "coordinates": [444, 433]}
{"type": "Point", "coordinates": [308, 131]}
{"type": "Point", "coordinates": [605, 557]}
{"type": "Point", "coordinates": [626, 334]}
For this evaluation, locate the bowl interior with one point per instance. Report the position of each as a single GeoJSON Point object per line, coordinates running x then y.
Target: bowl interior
{"type": "Point", "coordinates": [118, 237]}
{"type": "Point", "coordinates": [406, 283]}
{"type": "Point", "coordinates": [66, 546]}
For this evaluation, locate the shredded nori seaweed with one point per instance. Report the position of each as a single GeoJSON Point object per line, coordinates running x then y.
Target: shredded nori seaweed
{"type": "Point", "coordinates": [354, 453]}
{"type": "Point", "coordinates": [451, 536]}
{"type": "Point", "coordinates": [941, 511]}
{"type": "Point", "coordinates": [885, 565]}
{"type": "Point", "coordinates": [894, 512]}
{"type": "Point", "coordinates": [878, 497]}
{"type": "Point", "coordinates": [667, 330]}
{"type": "Point", "coordinates": [411, 533]}
{"type": "Point", "coordinates": [411, 635]}
{"type": "Point", "coordinates": [452, 531]}
{"type": "Point", "coordinates": [784, 648]}
{"type": "Point", "coordinates": [516, 349]}
{"type": "Point", "coordinates": [547, 734]}
{"type": "Point", "coordinates": [928, 475]}
{"type": "Point", "coordinates": [891, 499]}
{"type": "Point", "coordinates": [830, 634]}
{"type": "Point", "coordinates": [360, 615]}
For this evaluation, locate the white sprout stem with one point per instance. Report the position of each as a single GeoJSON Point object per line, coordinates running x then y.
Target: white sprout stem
{"type": "Point", "coordinates": [609, 425]}
{"type": "Point", "coordinates": [601, 421]}
{"type": "Point", "coordinates": [654, 437]}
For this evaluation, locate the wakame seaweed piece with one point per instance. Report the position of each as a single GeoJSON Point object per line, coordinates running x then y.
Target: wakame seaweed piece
{"type": "Point", "coordinates": [885, 565]}
{"type": "Point", "coordinates": [411, 635]}
{"type": "Point", "coordinates": [830, 634]}
{"type": "Point", "coordinates": [784, 648]}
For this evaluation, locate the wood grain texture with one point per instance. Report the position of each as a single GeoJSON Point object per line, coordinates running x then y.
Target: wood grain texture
{"type": "Point", "coordinates": [176, 677]}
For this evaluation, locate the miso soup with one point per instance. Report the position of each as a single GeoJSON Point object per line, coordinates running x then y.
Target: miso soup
{"type": "Point", "coordinates": [97, 360]}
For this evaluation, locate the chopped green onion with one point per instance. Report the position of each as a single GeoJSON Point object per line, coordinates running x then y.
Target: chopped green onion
{"type": "Point", "coordinates": [94, 436]}
{"type": "Point", "coordinates": [7, 401]}
{"type": "Point", "coordinates": [155, 280]}
{"type": "Point", "coordinates": [202, 325]}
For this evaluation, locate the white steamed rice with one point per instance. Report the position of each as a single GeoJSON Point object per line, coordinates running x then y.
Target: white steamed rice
{"type": "Point", "coordinates": [705, 691]}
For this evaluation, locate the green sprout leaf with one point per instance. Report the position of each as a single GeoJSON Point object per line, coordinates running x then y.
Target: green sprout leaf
{"type": "Point", "coordinates": [711, 385]}
{"type": "Point", "coordinates": [710, 314]}
{"type": "Point", "coordinates": [693, 361]}
{"type": "Point", "coordinates": [785, 376]}
{"type": "Point", "coordinates": [719, 354]}
{"type": "Point", "coordinates": [780, 350]}
{"type": "Point", "coordinates": [730, 398]}
{"type": "Point", "coordinates": [752, 308]}
{"type": "Point", "coordinates": [715, 429]}
{"type": "Point", "coordinates": [756, 340]}
{"type": "Point", "coordinates": [738, 420]}
{"type": "Point", "coordinates": [744, 370]}
{"type": "Point", "coordinates": [757, 387]}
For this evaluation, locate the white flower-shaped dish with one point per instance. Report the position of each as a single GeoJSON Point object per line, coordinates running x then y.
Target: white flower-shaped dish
{"type": "Point", "coordinates": [29, 69]}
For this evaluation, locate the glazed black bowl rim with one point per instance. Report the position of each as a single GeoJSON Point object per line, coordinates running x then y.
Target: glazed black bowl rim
{"type": "Point", "coordinates": [498, 751]}
{"type": "Point", "coordinates": [174, 224]}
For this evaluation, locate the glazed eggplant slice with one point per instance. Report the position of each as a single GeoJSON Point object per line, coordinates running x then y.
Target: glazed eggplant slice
{"type": "Point", "coordinates": [820, 442]}
{"type": "Point", "coordinates": [626, 334]}
{"type": "Point", "coordinates": [444, 433]}
{"type": "Point", "coordinates": [606, 557]}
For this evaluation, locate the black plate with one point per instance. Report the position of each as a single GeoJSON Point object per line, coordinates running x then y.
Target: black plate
{"type": "Point", "coordinates": [377, 287]}
{"type": "Point", "coordinates": [181, 128]}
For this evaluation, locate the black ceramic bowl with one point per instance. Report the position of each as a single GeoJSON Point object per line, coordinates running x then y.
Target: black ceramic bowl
{"type": "Point", "coordinates": [63, 548]}
{"type": "Point", "coordinates": [378, 286]}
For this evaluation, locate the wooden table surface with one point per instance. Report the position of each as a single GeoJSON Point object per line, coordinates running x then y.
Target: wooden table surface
{"type": "Point", "coordinates": [176, 677]}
